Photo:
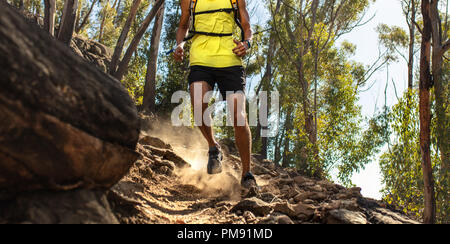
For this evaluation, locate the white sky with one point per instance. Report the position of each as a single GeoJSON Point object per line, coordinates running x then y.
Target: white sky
{"type": "Point", "coordinates": [366, 39]}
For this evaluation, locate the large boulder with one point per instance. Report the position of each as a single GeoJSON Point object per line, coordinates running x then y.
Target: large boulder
{"type": "Point", "coordinates": [70, 207]}
{"type": "Point", "coordinates": [64, 124]}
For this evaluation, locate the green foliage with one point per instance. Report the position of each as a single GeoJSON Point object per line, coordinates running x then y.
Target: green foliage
{"type": "Point", "coordinates": [401, 163]}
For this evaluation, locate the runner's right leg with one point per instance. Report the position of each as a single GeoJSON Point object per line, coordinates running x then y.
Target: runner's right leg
{"type": "Point", "coordinates": [197, 90]}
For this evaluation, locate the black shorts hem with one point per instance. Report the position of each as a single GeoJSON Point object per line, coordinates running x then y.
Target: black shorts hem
{"type": "Point", "coordinates": [228, 79]}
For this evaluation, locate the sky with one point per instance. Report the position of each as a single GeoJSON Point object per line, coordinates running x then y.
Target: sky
{"type": "Point", "coordinates": [366, 40]}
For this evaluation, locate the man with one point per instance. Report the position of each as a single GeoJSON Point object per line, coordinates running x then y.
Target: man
{"type": "Point", "coordinates": [215, 57]}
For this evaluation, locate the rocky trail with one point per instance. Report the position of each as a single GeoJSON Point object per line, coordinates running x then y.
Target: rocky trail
{"type": "Point", "coordinates": [169, 184]}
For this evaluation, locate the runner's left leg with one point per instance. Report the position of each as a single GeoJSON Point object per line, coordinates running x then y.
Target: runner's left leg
{"type": "Point", "coordinates": [242, 133]}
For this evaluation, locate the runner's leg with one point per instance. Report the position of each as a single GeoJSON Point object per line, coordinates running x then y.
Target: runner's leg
{"type": "Point", "coordinates": [197, 101]}
{"type": "Point", "coordinates": [242, 131]}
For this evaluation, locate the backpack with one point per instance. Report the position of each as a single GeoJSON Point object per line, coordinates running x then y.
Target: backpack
{"type": "Point", "coordinates": [234, 9]}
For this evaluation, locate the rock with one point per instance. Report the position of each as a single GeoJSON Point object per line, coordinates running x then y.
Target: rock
{"type": "Point", "coordinates": [385, 216]}
{"type": "Point", "coordinates": [300, 180]}
{"type": "Point", "coordinates": [153, 141]}
{"type": "Point", "coordinates": [283, 220]}
{"type": "Point", "coordinates": [254, 205]}
{"type": "Point", "coordinates": [276, 218]}
{"type": "Point", "coordinates": [179, 161]}
{"type": "Point", "coordinates": [344, 216]}
{"type": "Point", "coordinates": [316, 188]}
{"type": "Point", "coordinates": [269, 197]}
{"type": "Point", "coordinates": [259, 170]}
{"type": "Point", "coordinates": [285, 208]}
{"type": "Point", "coordinates": [303, 211]}
{"type": "Point", "coordinates": [356, 190]}
{"type": "Point", "coordinates": [308, 201]}
{"type": "Point", "coordinates": [303, 196]}
{"type": "Point", "coordinates": [91, 51]}
{"type": "Point", "coordinates": [64, 124]}
{"type": "Point", "coordinates": [349, 193]}
{"type": "Point", "coordinates": [334, 204]}
{"type": "Point", "coordinates": [71, 207]}
{"type": "Point", "coordinates": [317, 196]}
{"type": "Point", "coordinates": [249, 217]}
{"type": "Point", "coordinates": [349, 204]}
{"type": "Point", "coordinates": [268, 164]}
{"type": "Point", "coordinates": [163, 163]}
{"type": "Point", "coordinates": [167, 154]}
{"type": "Point", "coordinates": [289, 192]}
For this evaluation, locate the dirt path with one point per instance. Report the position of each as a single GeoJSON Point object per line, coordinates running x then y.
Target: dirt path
{"type": "Point", "coordinates": [179, 195]}
{"type": "Point", "coordinates": [169, 184]}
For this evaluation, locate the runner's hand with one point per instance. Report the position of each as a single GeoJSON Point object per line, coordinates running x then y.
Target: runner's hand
{"type": "Point", "coordinates": [240, 49]}
{"type": "Point", "coordinates": [179, 54]}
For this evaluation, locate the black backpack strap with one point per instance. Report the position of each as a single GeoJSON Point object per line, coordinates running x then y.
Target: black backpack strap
{"type": "Point", "coordinates": [227, 10]}
{"type": "Point", "coordinates": [234, 8]}
{"type": "Point", "coordinates": [190, 33]}
{"type": "Point", "coordinates": [237, 18]}
{"type": "Point", "coordinates": [211, 33]}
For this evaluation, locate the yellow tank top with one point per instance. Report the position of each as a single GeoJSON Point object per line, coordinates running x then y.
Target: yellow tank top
{"type": "Point", "coordinates": [214, 51]}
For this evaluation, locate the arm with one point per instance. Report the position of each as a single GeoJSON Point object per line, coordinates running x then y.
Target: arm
{"type": "Point", "coordinates": [241, 48]}
{"type": "Point", "coordinates": [183, 28]}
{"type": "Point", "coordinates": [245, 20]}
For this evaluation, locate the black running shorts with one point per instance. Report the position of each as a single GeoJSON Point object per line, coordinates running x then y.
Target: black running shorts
{"type": "Point", "coordinates": [228, 79]}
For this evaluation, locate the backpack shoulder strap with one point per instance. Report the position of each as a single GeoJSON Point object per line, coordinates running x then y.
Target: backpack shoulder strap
{"type": "Point", "coordinates": [237, 17]}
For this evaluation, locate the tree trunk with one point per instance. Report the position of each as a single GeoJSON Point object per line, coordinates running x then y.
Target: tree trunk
{"type": "Point", "coordinates": [123, 36]}
{"type": "Point", "coordinates": [49, 17]}
{"type": "Point", "coordinates": [412, 28]}
{"type": "Point", "coordinates": [102, 26]}
{"type": "Point", "coordinates": [266, 83]}
{"type": "Point", "coordinates": [64, 124]}
{"type": "Point", "coordinates": [68, 21]}
{"type": "Point", "coordinates": [425, 84]}
{"type": "Point", "coordinates": [443, 133]}
{"type": "Point", "coordinates": [86, 18]}
{"type": "Point", "coordinates": [288, 125]}
{"type": "Point", "coordinates": [149, 100]}
{"type": "Point", "coordinates": [123, 65]}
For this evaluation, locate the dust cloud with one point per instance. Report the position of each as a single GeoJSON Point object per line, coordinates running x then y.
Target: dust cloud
{"type": "Point", "coordinates": [189, 143]}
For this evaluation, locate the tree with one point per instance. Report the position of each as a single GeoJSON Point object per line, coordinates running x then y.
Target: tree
{"type": "Point", "coordinates": [266, 85]}
{"type": "Point", "coordinates": [410, 11]}
{"type": "Point", "coordinates": [123, 65]}
{"type": "Point", "coordinates": [307, 31]}
{"type": "Point", "coordinates": [440, 45]}
{"type": "Point", "coordinates": [49, 17]}
{"type": "Point", "coordinates": [84, 22]}
{"type": "Point", "coordinates": [123, 36]}
{"type": "Point", "coordinates": [68, 18]}
{"type": "Point", "coordinates": [149, 100]}
{"type": "Point", "coordinates": [425, 85]}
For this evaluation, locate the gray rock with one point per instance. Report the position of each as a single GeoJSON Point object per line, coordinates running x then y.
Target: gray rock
{"type": "Point", "coordinates": [344, 216]}
{"type": "Point", "coordinates": [254, 205]}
